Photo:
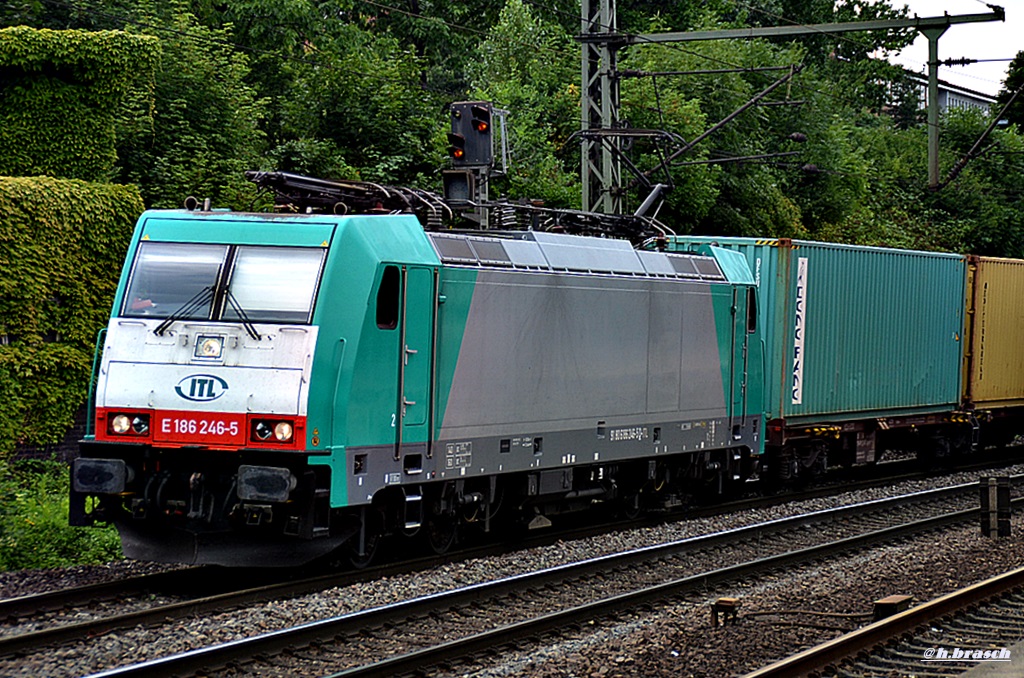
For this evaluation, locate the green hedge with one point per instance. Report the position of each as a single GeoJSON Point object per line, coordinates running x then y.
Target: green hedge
{"type": "Point", "coordinates": [61, 96]}
{"type": "Point", "coordinates": [61, 247]}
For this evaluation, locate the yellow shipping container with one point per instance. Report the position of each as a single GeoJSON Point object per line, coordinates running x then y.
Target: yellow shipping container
{"type": "Point", "coordinates": [994, 364]}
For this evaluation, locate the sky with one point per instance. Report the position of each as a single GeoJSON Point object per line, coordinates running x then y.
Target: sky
{"type": "Point", "coordinates": [988, 40]}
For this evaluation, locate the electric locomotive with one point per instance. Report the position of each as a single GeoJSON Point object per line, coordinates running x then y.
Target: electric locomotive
{"type": "Point", "coordinates": [273, 388]}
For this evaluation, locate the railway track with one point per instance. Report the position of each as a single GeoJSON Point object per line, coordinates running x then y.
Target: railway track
{"type": "Point", "coordinates": [63, 616]}
{"type": "Point", "coordinates": [575, 594]}
{"type": "Point", "coordinates": [930, 639]}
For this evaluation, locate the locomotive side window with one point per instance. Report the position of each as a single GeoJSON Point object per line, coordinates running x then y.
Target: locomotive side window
{"type": "Point", "coordinates": [167, 277]}
{"type": "Point", "coordinates": [387, 299]}
{"type": "Point", "coordinates": [274, 284]}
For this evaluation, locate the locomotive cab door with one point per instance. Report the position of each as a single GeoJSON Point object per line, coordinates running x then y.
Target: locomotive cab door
{"type": "Point", "coordinates": [415, 365]}
{"type": "Point", "coordinates": [744, 327]}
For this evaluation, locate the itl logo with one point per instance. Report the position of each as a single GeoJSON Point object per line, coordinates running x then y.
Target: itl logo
{"type": "Point", "coordinates": [201, 387]}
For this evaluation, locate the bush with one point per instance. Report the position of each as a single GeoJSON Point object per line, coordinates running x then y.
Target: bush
{"type": "Point", "coordinates": [61, 247]}
{"type": "Point", "coordinates": [34, 531]}
{"type": "Point", "coordinates": [60, 98]}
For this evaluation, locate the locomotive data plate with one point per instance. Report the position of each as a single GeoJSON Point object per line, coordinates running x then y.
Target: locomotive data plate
{"type": "Point", "coordinates": [199, 428]}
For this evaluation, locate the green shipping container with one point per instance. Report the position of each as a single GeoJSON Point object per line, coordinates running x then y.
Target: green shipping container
{"type": "Point", "coordinates": [854, 333]}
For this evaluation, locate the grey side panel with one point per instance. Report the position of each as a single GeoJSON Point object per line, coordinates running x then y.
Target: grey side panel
{"type": "Point", "coordinates": [701, 387]}
{"type": "Point", "coordinates": [562, 352]}
{"type": "Point", "coordinates": [665, 352]}
{"type": "Point", "coordinates": [544, 347]}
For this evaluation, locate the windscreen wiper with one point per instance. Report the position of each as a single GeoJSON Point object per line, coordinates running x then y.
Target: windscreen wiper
{"type": "Point", "coordinates": [201, 297]}
{"type": "Point", "coordinates": [242, 315]}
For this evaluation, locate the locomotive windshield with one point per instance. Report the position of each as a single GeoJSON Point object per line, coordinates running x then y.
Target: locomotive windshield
{"type": "Point", "coordinates": [193, 282]}
{"type": "Point", "coordinates": [274, 284]}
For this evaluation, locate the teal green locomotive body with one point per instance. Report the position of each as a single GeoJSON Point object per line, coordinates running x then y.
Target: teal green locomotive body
{"type": "Point", "coordinates": [273, 387]}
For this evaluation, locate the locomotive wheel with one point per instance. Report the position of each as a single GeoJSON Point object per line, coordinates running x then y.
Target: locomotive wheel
{"type": "Point", "coordinates": [372, 545]}
{"type": "Point", "coordinates": [442, 531]}
{"type": "Point", "coordinates": [630, 506]}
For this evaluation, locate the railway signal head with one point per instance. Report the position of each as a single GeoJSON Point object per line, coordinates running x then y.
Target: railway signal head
{"type": "Point", "coordinates": [471, 124]}
{"type": "Point", "coordinates": [481, 118]}
{"type": "Point", "coordinates": [457, 148]}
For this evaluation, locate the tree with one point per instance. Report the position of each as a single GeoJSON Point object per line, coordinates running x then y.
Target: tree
{"type": "Point", "coordinates": [986, 195]}
{"type": "Point", "coordinates": [529, 66]}
{"type": "Point", "coordinates": [1014, 83]}
{"type": "Point", "coordinates": [201, 128]}
{"type": "Point", "coordinates": [206, 123]}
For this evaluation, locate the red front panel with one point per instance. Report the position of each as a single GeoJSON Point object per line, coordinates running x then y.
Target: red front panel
{"type": "Point", "coordinates": [219, 430]}
{"type": "Point", "coordinates": [199, 428]}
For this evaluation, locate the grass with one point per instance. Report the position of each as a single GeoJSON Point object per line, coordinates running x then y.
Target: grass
{"type": "Point", "coordinates": [34, 530]}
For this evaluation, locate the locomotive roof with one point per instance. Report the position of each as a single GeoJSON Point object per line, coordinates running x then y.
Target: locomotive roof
{"type": "Point", "coordinates": [540, 251]}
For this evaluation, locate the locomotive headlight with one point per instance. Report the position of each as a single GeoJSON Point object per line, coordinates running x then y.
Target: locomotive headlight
{"type": "Point", "coordinates": [120, 424]}
{"type": "Point", "coordinates": [209, 347]}
{"type": "Point", "coordinates": [283, 431]}
{"type": "Point", "coordinates": [262, 430]}
{"type": "Point", "coordinates": [140, 424]}
{"type": "Point", "coordinates": [272, 431]}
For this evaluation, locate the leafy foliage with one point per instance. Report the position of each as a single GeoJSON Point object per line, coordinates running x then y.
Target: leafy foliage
{"type": "Point", "coordinates": [34, 531]}
{"type": "Point", "coordinates": [70, 84]}
{"type": "Point", "coordinates": [1014, 82]}
{"type": "Point", "coordinates": [358, 89]}
{"type": "Point", "coordinates": [205, 130]}
{"type": "Point", "coordinates": [526, 66]}
{"type": "Point", "coordinates": [61, 246]}
{"type": "Point", "coordinates": [985, 198]}
{"type": "Point", "coordinates": [359, 97]}
{"type": "Point", "coordinates": [196, 126]}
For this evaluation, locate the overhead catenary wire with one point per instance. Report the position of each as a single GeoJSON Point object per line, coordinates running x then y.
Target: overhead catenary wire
{"type": "Point", "coordinates": [976, 150]}
{"type": "Point", "coordinates": [733, 67]}
{"type": "Point", "coordinates": [639, 40]}
{"type": "Point", "coordinates": [313, 61]}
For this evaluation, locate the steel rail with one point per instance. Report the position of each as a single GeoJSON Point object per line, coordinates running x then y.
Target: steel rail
{"type": "Point", "coordinates": [50, 601]}
{"type": "Point", "coordinates": [234, 595]}
{"type": "Point", "coordinates": [415, 661]}
{"type": "Point", "coordinates": [873, 635]}
{"type": "Point", "coordinates": [244, 649]}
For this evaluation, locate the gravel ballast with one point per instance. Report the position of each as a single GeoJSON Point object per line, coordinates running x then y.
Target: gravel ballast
{"type": "Point", "coordinates": [675, 641]}
{"type": "Point", "coordinates": [679, 640]}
